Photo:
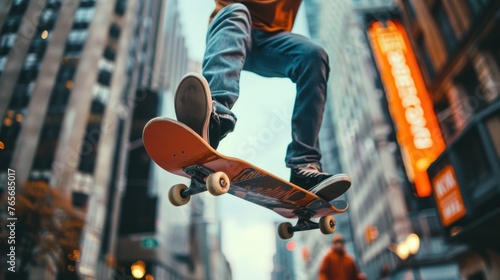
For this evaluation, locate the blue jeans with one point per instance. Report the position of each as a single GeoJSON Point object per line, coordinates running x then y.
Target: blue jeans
{"type": "Point", "coordinates": [232, 46]}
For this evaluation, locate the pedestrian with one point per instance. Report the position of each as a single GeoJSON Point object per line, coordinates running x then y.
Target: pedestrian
{"type": "Point", "coordinates": [256, 36]}
{"type": "Point", "coordinates": [337, 264]}
{"type": "Point", "coordinates": [385, 272]}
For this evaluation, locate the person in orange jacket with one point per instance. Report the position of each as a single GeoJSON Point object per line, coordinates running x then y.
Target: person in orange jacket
{"type": "Point", "coordinates": [255, 35]}
{"type": "Point", "coordinates": [337, 264]}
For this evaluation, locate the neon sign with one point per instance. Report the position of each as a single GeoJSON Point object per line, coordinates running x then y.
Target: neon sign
{"type": "Point", "coordinates": [418, 132]}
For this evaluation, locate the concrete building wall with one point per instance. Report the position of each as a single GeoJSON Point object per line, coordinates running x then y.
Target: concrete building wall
{"type": "Point", "coordinates": [376, 197]}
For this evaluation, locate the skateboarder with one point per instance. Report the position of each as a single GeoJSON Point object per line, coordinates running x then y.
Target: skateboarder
{"type": "Point", "coordinates": [255, 36]}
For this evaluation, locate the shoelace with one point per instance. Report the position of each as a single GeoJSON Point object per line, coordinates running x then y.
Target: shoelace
{"type": "Point", "coordinates": [311, 170]}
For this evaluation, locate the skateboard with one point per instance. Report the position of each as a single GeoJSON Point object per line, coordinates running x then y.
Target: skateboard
{"type": "Point", "coordinates": [179, 150]}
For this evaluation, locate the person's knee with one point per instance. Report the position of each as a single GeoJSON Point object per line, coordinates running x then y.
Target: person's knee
{"type": "Point", "coordinates": [315, 60]}
{"type": "Point", "coordinates": [316, 54]}
{"type": "Point", "coordinates": [237, 8]}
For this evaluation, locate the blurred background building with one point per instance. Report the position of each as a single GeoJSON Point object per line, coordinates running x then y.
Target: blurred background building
{"type": "Point", "coordinates": [458, 49]}
{"type": "Point", "coordinates": [378, 212]}
{"type": "Point", "coordinates": [284, 259]}
{"type": "Point", "coordinates": [384, 203]}
{"type": "Point", "coordinates": [315, 244]}
{"type": "Point", "coordinates": [79, 81]}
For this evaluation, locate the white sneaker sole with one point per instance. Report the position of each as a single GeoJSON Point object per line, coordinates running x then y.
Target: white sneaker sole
{"type": "Point", "coordinates": [332, 187]}
{"type": "Point", "coordinates": [193, 103]}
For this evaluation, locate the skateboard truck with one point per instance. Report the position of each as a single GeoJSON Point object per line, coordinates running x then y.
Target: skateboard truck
{"type": "Point", "coordinates": [202, 179]}
{"type": "Point", "coordinates": [198, 173]}
{"type": "Point", "coordinates": [326, 224]}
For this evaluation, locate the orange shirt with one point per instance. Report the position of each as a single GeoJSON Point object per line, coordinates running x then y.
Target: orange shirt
{"type": "Point", "coordinates": [338, 267]}
{"type": "Point", "coordinates": [268, 15]}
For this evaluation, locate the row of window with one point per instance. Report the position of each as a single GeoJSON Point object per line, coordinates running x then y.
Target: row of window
{"type": "Point", "coordinates": [63, 86]}
{"type": "Point", "coordinates": [25, 83]}
{"type": "Point", "coordinates": [101, 94]}
{"type": "Point", "coordinates": [10, 28]}
{"type": "Point", "coordinates": [473, 89]}
{"type": "Point", "coordinates": [443, 20]}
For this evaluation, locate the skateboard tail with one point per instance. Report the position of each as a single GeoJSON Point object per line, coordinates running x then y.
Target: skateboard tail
{"type": "Point", "coordinates": [173, 145]}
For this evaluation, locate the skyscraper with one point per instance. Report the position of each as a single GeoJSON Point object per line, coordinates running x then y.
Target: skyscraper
{"type": "Point", "coordinates": [457, 46]}
{"type": "Point", "coordinates": [283, 260]}
{"type": "Point", "coordinates": [380, 197]}
{"type": "Point", "coordinates": [78, 80]}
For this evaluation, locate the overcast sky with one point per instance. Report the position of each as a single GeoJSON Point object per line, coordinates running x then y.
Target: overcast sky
{"type": "Point", "coordinates": [263, 110]}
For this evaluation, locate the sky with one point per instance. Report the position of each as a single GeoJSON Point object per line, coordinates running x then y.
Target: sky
{"type": "Point", "coordinates": [261, 137]}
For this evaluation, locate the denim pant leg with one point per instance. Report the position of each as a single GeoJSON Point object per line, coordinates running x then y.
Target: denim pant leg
{"type": "Point", "coordinates": [291, 55]}
{"type": "Point", "coordinates": [228, 39]}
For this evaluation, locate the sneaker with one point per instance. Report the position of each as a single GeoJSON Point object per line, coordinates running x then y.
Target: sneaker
{"type": "Point", "coordinates": [194, 107]}
{"type": "Point", "coordinates": [328, 187]}
{"type": "Point", "coordinates": [220, 126]}
{"type": "Point", "coordinates": [193, 103]}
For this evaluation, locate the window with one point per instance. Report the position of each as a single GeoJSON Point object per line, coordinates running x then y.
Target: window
{"type": "Point", "coordinates": [114, 31]}
{"type": "Point", "coordinates": [443, 22]}
{"type": "Point", "coordinates": [107, 65]}
{"type": "Point", "coordinates": [19, 7]}
{"type": "Point", "coordinates": [476, 6]}
{"type": "Point", "coordinates": [487, 69]}
{"type": "Point", "coordinates": [109, 54]}
{"type": "Point", "coordinates": [7, 40]}
{"type": "Point", "coordinates": [54, 4]}
{"type": "Point", "coordinates": [87, 3]}
{"type": "Point", "coordinates": [84, 14]}
{"type": "Point", "coordinates": [101, 94]}
{"type": "Point", "coordinates": [30, 61]}
{"type": "Point", "coordinates": [104, 77]}
{"type": "Point", "coordinates": [2, 62]}
{"type": "Point", "coordinates": [48, 142]}
{"type": "Point", "coordinates": [424, 54]}
{"type": "Point", "coordinates": [27, 76]}
{"type": "Point", "coordinates": [473, 159]}
{"type": "Point", "coordinates": [47, 15]}
{"type": "Point", "coordinates": [90, 145]}
{"type": "Point", "coordinates": [469, 81]}
{"type": "Point", "coordinates": [410, 7]}
{"type": "Point", "coordinates": [11, 24]}
{"type": "Point", "coordinates": [120, 7]}
{"type": "Point", "coordinates": [77, 36]}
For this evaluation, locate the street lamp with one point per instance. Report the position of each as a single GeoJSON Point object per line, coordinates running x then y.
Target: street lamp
{"type": "Point", "coordinates": [138, 269]}
{"type": "Point", "coordinates": [413, 243]}
{"type": "Point", "coordinates": [402, 250]}
{"type": "Point", "coordinates": [407, 248]}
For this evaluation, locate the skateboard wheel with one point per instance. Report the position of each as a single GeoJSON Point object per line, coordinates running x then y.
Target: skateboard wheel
{"type": "Point", "coordinates": [284, 230]}
{"type": "Point", "coordinates": [218, 183]}
{"type": "Point", "coordinates": [327, 224]}
{"type": "Point", "coordinates": [175, 197]}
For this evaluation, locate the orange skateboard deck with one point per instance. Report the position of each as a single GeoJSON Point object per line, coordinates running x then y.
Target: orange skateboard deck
{"type": "Point", "coordinates": [179, 150]}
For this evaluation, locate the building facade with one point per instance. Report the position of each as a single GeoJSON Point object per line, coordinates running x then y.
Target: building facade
{"type": "Point", "coordinates": [284, 259]}
{"type": "Point", "coordinates": [458, 50]}
{"type": "Point", "coordinates": [79, 81]}
{"type": "Point", "coordinates": [315, 245]}
{"type": "Point", "coordinates": [368, 154]}
{"type": "Point", "coordinates": [62, 72]}
{"type": "Point", "coordinates": [383, 209]}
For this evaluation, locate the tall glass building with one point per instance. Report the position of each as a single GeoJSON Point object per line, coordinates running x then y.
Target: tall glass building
{"type": "Point", "coordinates": [79, 80]}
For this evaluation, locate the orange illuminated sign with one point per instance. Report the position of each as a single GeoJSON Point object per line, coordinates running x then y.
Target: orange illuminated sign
{"type": "Point", "coordinates": [448, 197]}
{"type": "Point", "coordinates": [371, 233]}
{"type": "Point", "coordinates": [418, 132]}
